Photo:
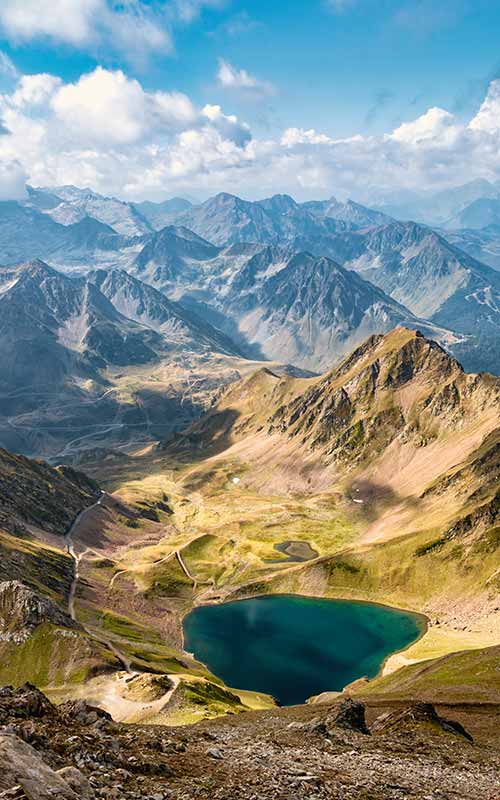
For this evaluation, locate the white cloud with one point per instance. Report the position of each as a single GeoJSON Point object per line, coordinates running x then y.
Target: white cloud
{"type": "Point", "coordinates": [64, 20]}
{"type": "Point", "coordinates": [103, 106]}
{"type": "Point", "coordinates": [230, 77]}
{"type": "Point", "coordinates": [294, 136]}
{"type": "Point", "coordinates": [130, 27]}
{"type": "Point", "coordinates": [12, 181]}
{"type": "Point", "coordinates": [488, 117]}
{"type": "Point", "coordinates": [227, 125]}
{"type": "Point", "coordinates": [35, 90]}
{"type": "Point", "coordinates": [436, 123]}
{"type": "Point", "coordinates": [108, 107]}
{"type": "Point", "coordinates": [107, 131]}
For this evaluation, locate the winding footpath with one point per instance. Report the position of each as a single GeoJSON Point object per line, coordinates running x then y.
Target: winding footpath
{"type": "Point", "coordinates": [185, 569]}
{"type": "Point", "coordinates": [70, 548]}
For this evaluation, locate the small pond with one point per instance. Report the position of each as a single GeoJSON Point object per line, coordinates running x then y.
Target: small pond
{"type": "Point", "coordinates": [293, 647]}
{"type": "Point", "coordinates": [294, 551]}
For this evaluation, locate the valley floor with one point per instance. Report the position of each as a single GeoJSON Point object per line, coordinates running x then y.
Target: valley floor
{"type": "Point", "coordinates": [219, 543]}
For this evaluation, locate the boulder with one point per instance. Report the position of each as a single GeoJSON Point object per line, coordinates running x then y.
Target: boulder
{"type": "Point", "coordinates": [415, 716]}
{"type": "Point", "coordinates": [21, 766]}
{"type": "Point", "coordinates": [350, 715]}
{"type": "Point", "coordinates": [27, 702]}
{"type": "Point", "coordinates": [82, 712]}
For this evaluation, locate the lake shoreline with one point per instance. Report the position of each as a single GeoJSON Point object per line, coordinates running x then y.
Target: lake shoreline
{"type": "Point", "coordinates": [346, 605]}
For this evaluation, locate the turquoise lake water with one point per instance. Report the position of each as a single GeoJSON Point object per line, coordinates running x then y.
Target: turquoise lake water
{"type": "Point", "coordinates": [293, 647]}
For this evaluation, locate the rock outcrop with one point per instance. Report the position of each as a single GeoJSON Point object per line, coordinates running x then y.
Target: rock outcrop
{"type": "Point", "coordinates": [22, 610]}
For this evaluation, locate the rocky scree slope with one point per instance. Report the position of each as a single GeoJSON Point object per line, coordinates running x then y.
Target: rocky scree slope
{"type": "Point", "coordinates": [342, 749]}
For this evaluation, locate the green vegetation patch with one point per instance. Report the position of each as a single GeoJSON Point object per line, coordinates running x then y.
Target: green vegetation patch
{"type": "Point", "coordinates": [53, 656]}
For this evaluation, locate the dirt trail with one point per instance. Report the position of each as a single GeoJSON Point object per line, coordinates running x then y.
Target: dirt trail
{"type": "Point", "coordinates": [69, 540]}
{"type": "Point", "coordinates": [185, 569]}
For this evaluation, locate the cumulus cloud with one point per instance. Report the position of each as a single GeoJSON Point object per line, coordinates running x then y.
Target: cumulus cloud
{"type": "Point", "coordinates": [295, 136]}
{"type": "Point", "coordinates": [435, 124]}
{"type": "Point", "coordinates": [488, 117]}
{"type": "Point", "coordinates": [229, 77]}
{"type": "Point", "coordinates": [35, 90]}
{"type": "Point", "coordinates": [131, 27]}
{"type": "Point", "coordinates": [106, 130]}
{"type": "Point", "coordinates": [228, 125]}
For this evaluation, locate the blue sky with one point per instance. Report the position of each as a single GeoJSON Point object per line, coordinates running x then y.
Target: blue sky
{"type": "Point", "coordinates": [360, 66]}
{"type": "Point", "coordinates": [339, 68]}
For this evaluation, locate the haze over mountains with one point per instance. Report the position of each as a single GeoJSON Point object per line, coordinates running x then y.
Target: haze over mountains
{"type": "Point", "coordinates": [297, 283]}
{"type": "Point", "coordinates": [65, 342]}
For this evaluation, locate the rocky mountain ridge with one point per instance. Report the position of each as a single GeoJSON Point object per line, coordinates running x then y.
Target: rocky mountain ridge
{"type": "Point", "coordinates": [278, 303]}
{"type": "Point", "coordinates": [401, 428]}
{"type": "Point", "coordinates": [59, 338]}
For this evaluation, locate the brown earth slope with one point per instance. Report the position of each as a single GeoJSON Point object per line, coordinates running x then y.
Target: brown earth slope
{"type": "Point", "coordinates": [408, 446]}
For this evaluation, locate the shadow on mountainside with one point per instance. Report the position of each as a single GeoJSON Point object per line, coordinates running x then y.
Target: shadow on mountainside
{"type": "Point", "coordinates": [373, 498]}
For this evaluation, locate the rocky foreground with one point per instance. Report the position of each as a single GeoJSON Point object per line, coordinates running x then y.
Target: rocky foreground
{"type": "Point", "coordinates": [344, 750]}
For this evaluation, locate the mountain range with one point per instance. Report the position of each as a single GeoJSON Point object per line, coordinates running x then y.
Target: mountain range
{"type": "Point", "coordinates": [439, 207]}
{"type": "Point", "coordinates": [66, 341]}
{"type": "Point", "coordinates": [226, 280]}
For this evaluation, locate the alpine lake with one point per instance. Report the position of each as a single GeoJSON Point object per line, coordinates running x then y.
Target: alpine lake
{"type": "Point", "coordinates": [294, 647]}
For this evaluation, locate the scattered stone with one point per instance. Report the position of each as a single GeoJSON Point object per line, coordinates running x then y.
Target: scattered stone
{"type": "Point", "coordinates": [214, 752]}
{"type": "Point", "coordinates": [77, 782]}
